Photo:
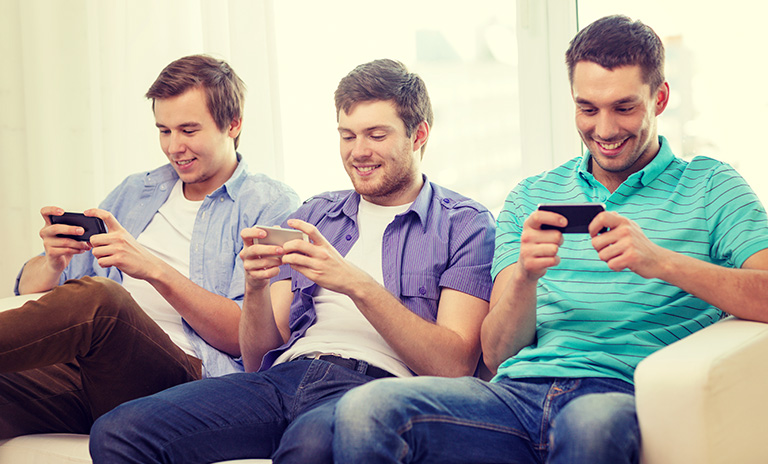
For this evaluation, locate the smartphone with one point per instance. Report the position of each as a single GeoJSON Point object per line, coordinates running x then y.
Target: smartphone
{"type": "Point", "coordinates": [579, 215]}
{"type": "Point", "coordinates": [92, 225]}
{"type": "Point", "coordinates": [278, 236]}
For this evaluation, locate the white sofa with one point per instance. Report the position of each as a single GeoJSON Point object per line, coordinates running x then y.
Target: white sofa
{"type": "Point", "coordinates": [698, 400]}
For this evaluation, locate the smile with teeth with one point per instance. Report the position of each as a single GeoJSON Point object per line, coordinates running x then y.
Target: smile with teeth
{"type": "Point", "coordinates": [610, 146]}
{"type": "Point", "coordinates": [184, 162]}
{"type": "Point", "coordinates": [365, 168]}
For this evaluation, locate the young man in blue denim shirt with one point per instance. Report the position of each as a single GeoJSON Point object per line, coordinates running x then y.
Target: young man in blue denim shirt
{"type": "Point", "coordinates": [393, 281]}
{"type": "Point", "coordinates": [173, 242]}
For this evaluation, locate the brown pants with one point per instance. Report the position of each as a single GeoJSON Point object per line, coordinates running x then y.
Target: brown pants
{"type": "Point", "coordinates": [78, 352]}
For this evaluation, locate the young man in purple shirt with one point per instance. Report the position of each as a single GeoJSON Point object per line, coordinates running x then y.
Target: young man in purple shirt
{"type": "Point", "coordinates": [393, 281]}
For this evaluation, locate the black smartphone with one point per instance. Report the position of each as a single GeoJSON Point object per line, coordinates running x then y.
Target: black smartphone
{"type": "Point", "coordinates": [92, 225]}
{"type": "Point", "coordinates": [579, 215]}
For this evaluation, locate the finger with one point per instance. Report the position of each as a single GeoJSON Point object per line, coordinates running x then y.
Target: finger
{"type": "Point", "coordinates": [298, 260]}
{"type": "Point", "coordinates": [314, 235]}
{"type": "Point", "coordinates": [255, 261]}
{"type": "Point", "coordinates": [263, 274]}
{"type": "Point", "coordinates": [48, 211]}
{"type": "Point", "coordinates": [603, 222]}
{"type": "Point", "coordinates": [109, 220]}
{"type": "Point", "coordinates": [66, 246]}
{"type": "Point", "coordinates": [272, 265]}
{"type": "Point", "coordinates": [252, 233]}
{"type": "Point", "coordinates": [52, 232]}
{"type": "Point", "coordinates": [539, 218]}
{"type": "Point", "coordinates": [257, 250]}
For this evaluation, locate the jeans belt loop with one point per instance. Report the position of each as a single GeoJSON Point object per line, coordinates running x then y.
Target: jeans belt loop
{"type": "Point", "coordinates": [362, 367]}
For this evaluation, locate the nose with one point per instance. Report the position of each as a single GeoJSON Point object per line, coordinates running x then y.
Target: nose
{"type": "Point", "coordinates": [606, 127]}
{"type": "Point", "coordinates": [175, 144]}
{"type": "Point", "coordinates": [360, 148]}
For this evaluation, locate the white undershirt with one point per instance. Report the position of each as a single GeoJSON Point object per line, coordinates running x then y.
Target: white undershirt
{"type": "Point", "coordinates": [341, 328]}
{"type": "Point", "coordinates": [168, 236]}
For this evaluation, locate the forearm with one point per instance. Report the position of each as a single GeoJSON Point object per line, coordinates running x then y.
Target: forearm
{"type": "Point", "coordinates": [740, 292]}
{"type": "Point", "coordinates": [511, 322]}
{"type": "Point", "coordinates": [259, 332]}
{"type": "Point", "coordinates": [427, 348]}
{"type": "Point", "coordinates": [214, 317]}
{"type": "Point", "coordinates": [38, 276]}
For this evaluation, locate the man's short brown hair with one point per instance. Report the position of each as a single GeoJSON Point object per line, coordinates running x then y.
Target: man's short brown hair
{"type": "Point", "coordinates": [387, 80]}
{"type": "Point", "coordinates": [615, 41]}
{"type": "Point", "coordinates": [224, 90]}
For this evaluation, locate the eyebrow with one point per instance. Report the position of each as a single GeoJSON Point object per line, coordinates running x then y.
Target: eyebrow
{"type": "Point", "coordinates": [369, 129]}
{"type": "Point", "coordinates": [622, 101]}
{"type": "Point", "coordinates": [182, 125]}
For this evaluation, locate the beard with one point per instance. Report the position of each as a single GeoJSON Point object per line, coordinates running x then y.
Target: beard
{"type": "Point", "coordinates": [394, 177]}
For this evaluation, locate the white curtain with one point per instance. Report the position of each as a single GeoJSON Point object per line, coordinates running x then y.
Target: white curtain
{"type": "Point", "coordinates": [73, 118]}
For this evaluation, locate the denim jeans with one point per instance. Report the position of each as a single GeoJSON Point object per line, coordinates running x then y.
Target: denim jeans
{"type": "Point", "coordinates": [285, 413]}
{"type": "Point", "coordinates": [467, 420]}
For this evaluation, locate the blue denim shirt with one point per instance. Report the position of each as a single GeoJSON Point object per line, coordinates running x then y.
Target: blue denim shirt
{"type": "Point", "coordinates": [242, 201]}
{"type": "Point", "coordinates": [442, 240]}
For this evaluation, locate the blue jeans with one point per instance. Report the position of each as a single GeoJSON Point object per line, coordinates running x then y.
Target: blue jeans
{"type": "Point", "coordinates": [285, 413]}
{"type": "Point", "coordinates": [467, 420]}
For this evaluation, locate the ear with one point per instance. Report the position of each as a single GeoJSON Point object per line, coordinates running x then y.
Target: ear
{"type": "Point", "coordinates": [235, 127]}
{"type": "Point", "coordinates": [420, 135]}
{"type": "Point", "coordinates": [662, 98]}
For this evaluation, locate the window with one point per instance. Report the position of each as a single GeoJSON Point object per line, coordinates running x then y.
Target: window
{"type": "Point", "coordinates": [467, 55]}
{"type": "Point", "coordinates": [715, 69]}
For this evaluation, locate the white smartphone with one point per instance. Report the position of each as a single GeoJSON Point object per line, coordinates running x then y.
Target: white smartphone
{"type": "Point", "coordinates": [278, 236]}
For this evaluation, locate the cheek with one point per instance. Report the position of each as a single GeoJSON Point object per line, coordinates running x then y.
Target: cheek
{"type": "Point", "coordinates": [583, 124]}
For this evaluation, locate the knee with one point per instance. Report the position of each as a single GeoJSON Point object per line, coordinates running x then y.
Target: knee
{"type": "Point", "coordinates": [306, 441]}
{"type": "Point", "coordinates": [107, 436]}
{"type": "Point", "coordinates": [596, 425]}
{"type": "Point", "coordinates": [117, 434]}
{"type": "Point", "coordinates": [101, 294]}
{"type": "Point", "coordinates": [363, 406]}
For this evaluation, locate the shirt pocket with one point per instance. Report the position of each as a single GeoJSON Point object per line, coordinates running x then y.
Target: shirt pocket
{"type": "Point", "coordinates": [420, 292]}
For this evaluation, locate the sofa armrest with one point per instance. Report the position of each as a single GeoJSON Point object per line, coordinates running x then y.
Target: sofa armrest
{"type": "Point", "coordinates": [699, 400]}
{"type": "Point", "coordinates": [16, 301]}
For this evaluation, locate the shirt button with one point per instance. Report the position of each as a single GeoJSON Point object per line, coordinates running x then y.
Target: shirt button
{"type": "Point", "coordinates": [349, 237]}
{"type": "Point", "coordinates": [422, 291]}
{"type": "Point", "coordinates": [446, 200]}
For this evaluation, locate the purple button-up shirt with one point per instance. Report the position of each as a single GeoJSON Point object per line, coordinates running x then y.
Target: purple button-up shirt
{"type": "Point", "coordinates": [443, 240]}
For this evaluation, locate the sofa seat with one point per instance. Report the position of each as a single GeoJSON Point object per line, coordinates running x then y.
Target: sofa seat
{"type": "Point", "coordinates": [46, 449]}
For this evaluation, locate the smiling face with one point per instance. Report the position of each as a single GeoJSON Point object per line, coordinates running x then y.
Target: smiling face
{"type": "Point", "coordinates": [380, 159]}
{"type": "Point", "coordinates": [616, 118]}
{"type": "Point", "coordinates": [203, 156]}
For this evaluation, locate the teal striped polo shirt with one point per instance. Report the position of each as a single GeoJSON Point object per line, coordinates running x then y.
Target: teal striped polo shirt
{"type": "Point", "coordinates": [595, 322]}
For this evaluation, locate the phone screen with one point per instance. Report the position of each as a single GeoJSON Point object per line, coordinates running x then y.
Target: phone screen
{"type": "Point", "coordinates": [579, 215]}
{"type": "Point", "coordinates": [92, 225]}
{"type": "Point", "coordinates": [278, 236]}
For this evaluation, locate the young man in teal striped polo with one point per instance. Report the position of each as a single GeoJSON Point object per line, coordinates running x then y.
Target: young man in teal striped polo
{"type": "Point", "coordinates": [680, 245]}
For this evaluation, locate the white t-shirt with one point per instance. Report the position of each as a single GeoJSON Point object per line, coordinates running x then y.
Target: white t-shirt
{"type": "Point", "coordinates": [168, 236]}
{"type": "Point", "coordinates": [341, 328]}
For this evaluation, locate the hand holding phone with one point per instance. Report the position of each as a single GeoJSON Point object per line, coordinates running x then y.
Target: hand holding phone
{"type": "Point", "coordinates": [278, 236]}
{"type": "Point", "coordinates": [91, 225]}
{"type": "Point", "coordinates": [579, 215]}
